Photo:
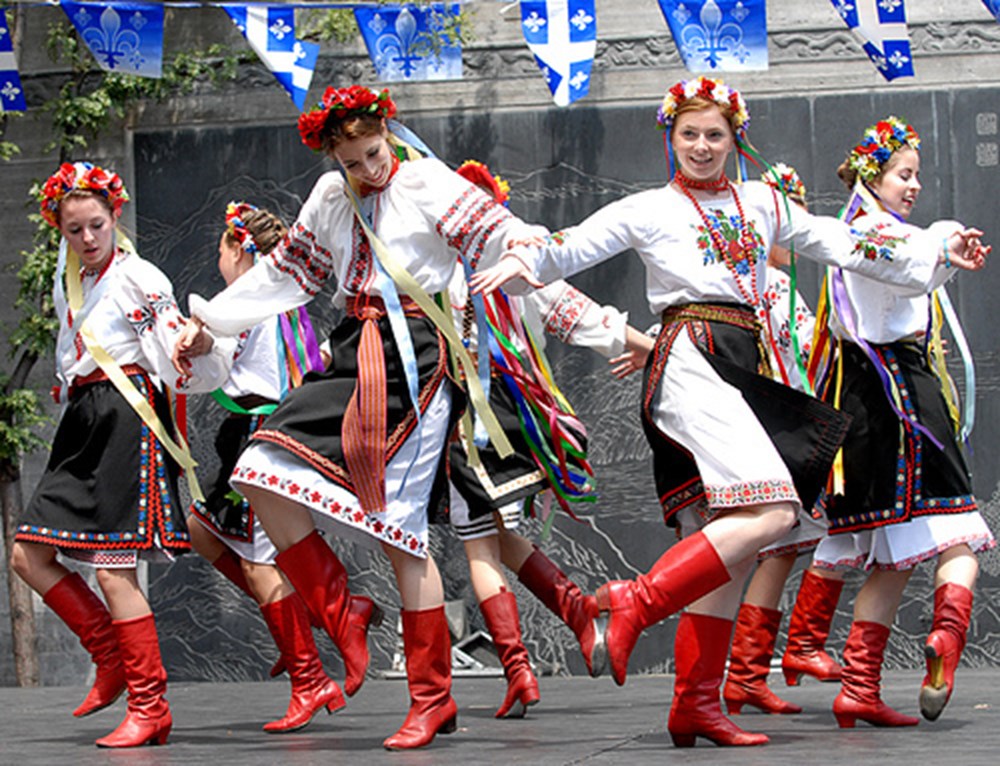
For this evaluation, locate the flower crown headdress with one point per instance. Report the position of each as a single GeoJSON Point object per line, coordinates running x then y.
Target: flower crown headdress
{"type": "Point", "coordinates": [711, 90]}
{"type": "Point", "coordinates": [878, 143]}
{"type": "Point", "coordinates": [478, 174]}
{"type": "Point", "coordinates": [73, 176]}
{"type": "Point", "coordinates": [343, 102]}
{"type": "Point", "coordinates": [784, 179]}
{"type": "Point", "coordinates": [237, 227]}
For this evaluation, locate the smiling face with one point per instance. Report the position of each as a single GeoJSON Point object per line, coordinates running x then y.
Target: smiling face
{"type": "Point", "coordinates": [899, 185]}
{"type": "Point", "coordinates": [88, 225]}
{"type": "Point", "coordinates": [367, 159]}
{"type": "Point", "coordinates": [702, 141]}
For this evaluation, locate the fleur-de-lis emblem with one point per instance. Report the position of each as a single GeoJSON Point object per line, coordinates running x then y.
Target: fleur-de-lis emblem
{"type": "Point", "coordinates": [279, 29]}
{"type": "Point", "coordinates": [711, 37]}
{"type": "Point", "coordinates": [889, 5]}
{"type": "Point", "coordinates": [898, 59]}
{"type": "Point", "coordinates": [579, 80]}
{"type": "Point", "coordinates": [582, 20]}
{"type": "Point", "coordinates": [110, 41]}
{"type": "Point", "coordinates": [10, 91]}
{"type": "Point", "coordinates": [534, 22]}
{"type": "Point", "coordinates": [844, 8]}
{"type": "Point", "coordinates": [377, 24]}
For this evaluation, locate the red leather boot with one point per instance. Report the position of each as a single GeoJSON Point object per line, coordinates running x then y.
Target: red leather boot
{"type": "Point", "coordinates": [808, 629]}
{"type": "Point", "coordinates": [148, 720]}
{"type": "Point", "coordinates": [500, 613]}
{"type": "Point", "coordinates": [85, 614]}
{"type": "Point", "coordinates": [229, 566]}
{"type": "Point", "coordinates": [859, 697]}
{"type": "Point", "coordinates": [321, 580]}
{"type": "Point", "coordinates": [952, 612]}
{"type": "Point", "coordinates": [701, 645]}
{"type": "Point", "coordinates": [688, 570]}
{"type": "Point", "coordinates": [564, 599]}
{"type": "Point", "coordinates": [312, 689]}
{"type": "Point", "coordinates": [750, 662]}
{"type": "Point", "coordinates": [427, 645]}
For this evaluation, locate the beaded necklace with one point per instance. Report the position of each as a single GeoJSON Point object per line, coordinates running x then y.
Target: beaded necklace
{"type": "Point", "coordinates": [747, 243]}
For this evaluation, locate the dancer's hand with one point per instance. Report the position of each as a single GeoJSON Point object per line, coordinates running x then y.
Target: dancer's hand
{"type": "Point", "coordinates": [966, 250]}
{"type": "Point", "coordinates": [193, 341]}
{"type": "Point", "coordinates": [509, 268]}
{"type": "Point", "coordinates": [638, 346]}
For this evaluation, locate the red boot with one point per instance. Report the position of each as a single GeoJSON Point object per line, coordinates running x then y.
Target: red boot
{"type": "Point", "coordinates": [700, 648]}
{"type": "Point", "coordinates": [148, 720]}
{"type": "Point", "coordinates": [564, 599]}
{"type": "Point", "coordinates": [859, 698]}
{"type": "Point", "coordinates": [427, 645]}
{"type": "Point", "coordinates": [229, 566]}
{"type": "Point", "coordinates": [312, 689]}
{"type": "Point", "coordinates": [952, 612]}
{"type": "Point", "coordinates": [808, 629]}
{"type": "Point", "coordinates": [85, 614]}
{"type": "Point", "coordinates": [317, 574]}
{"type": "Point", "coordinates": [750, 662]}
{"type": "Point", "coordinates": [500, 612]}
{"type": "Point", "coordinates": [688, 570]}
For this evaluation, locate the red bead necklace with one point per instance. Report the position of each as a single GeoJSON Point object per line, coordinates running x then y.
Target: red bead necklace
{"type": "Point", "coordinates": [747, 243]}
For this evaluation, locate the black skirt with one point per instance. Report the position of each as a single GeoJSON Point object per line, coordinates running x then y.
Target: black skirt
{"type": "Point", "coordinates": [806, 432]}
{"type": "Point", "coordinates": [109, 483]}
{"type": "Point", "coordinates": [309, 421]}
{"type": "Point", "coordinates": [890, 477]}
{"type": "Point", "coordinates": [224, 510]}
{"type": "Point", "coordinates": [498, 481]}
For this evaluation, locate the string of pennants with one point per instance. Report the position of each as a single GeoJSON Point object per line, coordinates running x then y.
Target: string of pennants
{"type": "Point", "coordinates": [409, 42]}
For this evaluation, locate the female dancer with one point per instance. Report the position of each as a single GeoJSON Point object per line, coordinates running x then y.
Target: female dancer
{"type": "Point", "coordinates": [109, 492]}
{"type": "Point", "coordinates": [724, 477]}
{"type": "Point", "coordinates": [362, 444]}
{"type": "Point", "coordinates": [223, 527]}
{"type": "Point", "coordinates": [888, 519]}
{"type": "Point", "coordinates": [758, 619]}
{"type": "Point", "coordinates": [487, 501]}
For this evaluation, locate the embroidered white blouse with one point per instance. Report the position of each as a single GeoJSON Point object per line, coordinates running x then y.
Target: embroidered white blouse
{"type": "Point", "coordinates": [131, 310]}
{"type": "Point", "coordinates": [884, 313]}
{"type": "Point", "coordinates": [255, 363]}
{"type": "Point", "coordinates": [683, 266]}
{"type": "Point", "coordinates": [426, 216]}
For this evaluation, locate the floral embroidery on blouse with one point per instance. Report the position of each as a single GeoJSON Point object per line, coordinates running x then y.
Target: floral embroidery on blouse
{"type": "Point", "coordinates": [875, 245]}
{"type": "Point", "coordinates": [565, 313]}
{"type": "Point", "coordinates": [731, 229]}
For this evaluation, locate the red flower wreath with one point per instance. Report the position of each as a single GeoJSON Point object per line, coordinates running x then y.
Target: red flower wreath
{"type": "Point", "coordinates": [80, 175]}
{"type": "Point", "coordinates": [343, 102]}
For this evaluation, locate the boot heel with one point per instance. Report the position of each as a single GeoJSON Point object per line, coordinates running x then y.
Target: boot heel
{"type": "Point", "coordinates": [733, 708]}
{"type": "Point", "coordinates": [845, 720]}
{"type": "Point", "coordinates": [791, 676]}
{"type": "Point", "coordinates": [449, 726]}
{"type": "Point", "coordinates": [603, 598]}
{"type": "Point", "coordinates": [161, 738]}
{"type": "Point", "coordinates": [378, 614]}
{"type": "Point", "coordinates": [683, 740]}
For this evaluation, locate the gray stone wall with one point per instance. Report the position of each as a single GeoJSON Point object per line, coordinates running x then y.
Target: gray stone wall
{"type": "Point", "coordinates": [185, 158]}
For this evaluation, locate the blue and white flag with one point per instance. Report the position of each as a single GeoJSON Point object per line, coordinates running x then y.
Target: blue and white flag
{"type": "Point", "coordinates": [880, 26]}
{"type": "Point", "coordinates": [563, 36]}
{"type": "Point", "coordinates": [993, 6]}
{"type": "Point", "coordinates": [409, 42]}
{"type": "Point", "coordinates": [11, 93]}
{"type": "Point", "coordinates": [123, 37]}
{"type": "Point", "coordinates": [718, 35]}
{"type": "Point", "coordinates": [270, 30]}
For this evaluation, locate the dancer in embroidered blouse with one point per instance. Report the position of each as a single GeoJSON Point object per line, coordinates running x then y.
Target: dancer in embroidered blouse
{"type": "Point", "coordinates": [486, 502]}
{"type": "Point", "coordinates": [108, 495]}
{"type": "Point", "coordinates": [348, 446]}
{"type": "Point", "coordinates": [732, 489]}
{"type": "Point", "coordinates": [885, 519]}
{"type": "Point", "coordinates": [758, 619]}
{"type": "Point", "coordinates": [223, 527]}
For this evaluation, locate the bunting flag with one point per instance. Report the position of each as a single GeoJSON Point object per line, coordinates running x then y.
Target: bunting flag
{"type": "Point", "coordinates": [718, 35]}
{"type": "Point", "coordinates": [409, 42]}
{"type": "Point", "coordinates": [11, 93]}
{"type": "Point", "coordinates": [880, 26]}
{"type": "Point", "coordinates": [563, 36]}
{"type": "Point", "coordinates": [123, 37]}
{"type": "Point", "coordinates": [993, 6]}
{"type": "Point", "coordinates": [270, 30]}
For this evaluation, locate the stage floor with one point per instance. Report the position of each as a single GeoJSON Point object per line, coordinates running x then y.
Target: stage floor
{"type": "Point", "coordinates": [578, 721]}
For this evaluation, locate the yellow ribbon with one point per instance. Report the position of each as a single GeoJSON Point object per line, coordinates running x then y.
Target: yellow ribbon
{"type": "Point", "coordinates": [179, 449]}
